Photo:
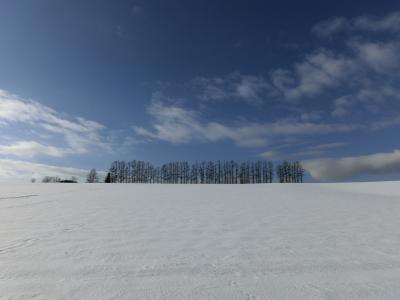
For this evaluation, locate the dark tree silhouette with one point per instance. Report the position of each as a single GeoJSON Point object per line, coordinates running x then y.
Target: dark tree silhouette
{"type": "Point", "coordinates": [108, 178]}
{"type": "Point", "coordinates": [290, 172]}
{"type": "Point", "coordinates": [205, 172]}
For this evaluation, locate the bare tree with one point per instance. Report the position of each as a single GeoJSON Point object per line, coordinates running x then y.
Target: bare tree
{"type": "Point", "coordinates": [92, 177]}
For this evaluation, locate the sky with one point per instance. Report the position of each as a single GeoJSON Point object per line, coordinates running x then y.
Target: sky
{"type": "Point", "coordinates": [84, 83]}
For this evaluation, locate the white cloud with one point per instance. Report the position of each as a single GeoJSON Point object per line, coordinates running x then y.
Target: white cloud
{"type": "Point", "coordinates": [172, 123]}
{"type": "Point", "coordinates": [79, 134]}
{"type": "Point", "coordinates": [320, 70]}
{"type": "Point", "coordinates": [348, 167]}
{"type": "Point", "coordinates": [16, 109]}
{"type": "Point", "coordinates": [381, 57]}
{"type": "Point", "coordinates": [16, 169]}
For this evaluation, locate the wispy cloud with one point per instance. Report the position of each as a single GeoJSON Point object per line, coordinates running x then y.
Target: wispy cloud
{"type": "Point", "coordinates": [320, 70]}
{"type": "Point", "coordinates": [79, 134]}
{"type": "Point", "coordinates": [136, 9]}
{"type": "Point", "coordinates": [315, 95]}
{"type": "Point", "coordinates": [327, 28]}
{"type": "Point", "coordinates": [320, 149]}
{"type": "Point", "coordinates": [268, 154]}
{"type": "Point", "coordinates": [369, 99]}
{"type": "Point", "coordinates": [364, 70]}
{"type": "Point", "coordinates": [28, 149]}
{"type": "Point", "coordinates": [327, 146]}
{"type": "Point", "coordinates": [250, 89]}
{"type": "Point", "coordinates": [178, 125]}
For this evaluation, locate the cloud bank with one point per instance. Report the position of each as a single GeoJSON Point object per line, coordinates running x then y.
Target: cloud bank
{"type": "Point", "coordinates": [348, 167]}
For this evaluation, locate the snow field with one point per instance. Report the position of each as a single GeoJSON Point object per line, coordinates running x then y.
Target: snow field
{"type": "Point", "coordinates": [127, 241]}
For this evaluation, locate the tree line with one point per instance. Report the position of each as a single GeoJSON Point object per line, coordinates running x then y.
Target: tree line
{"type": "Point", "coordinates": [204, 172]}
{"type": "Point", "coordinates": [56, 179]}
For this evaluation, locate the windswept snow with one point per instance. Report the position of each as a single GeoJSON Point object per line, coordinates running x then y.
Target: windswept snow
{"type": "Point", "coordinates": [276, 241]}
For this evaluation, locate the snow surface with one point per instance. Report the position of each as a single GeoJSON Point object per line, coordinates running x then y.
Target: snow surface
{"type": "Point", "coordinates": [276, 241]}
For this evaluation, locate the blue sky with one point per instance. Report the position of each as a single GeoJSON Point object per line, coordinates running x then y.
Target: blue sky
{"type": "Point", "coordinates": [83, 83]}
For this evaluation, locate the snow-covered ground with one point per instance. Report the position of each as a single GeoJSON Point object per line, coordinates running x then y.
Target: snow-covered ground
{"type": "Point", "coordinates": [277, 241]}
